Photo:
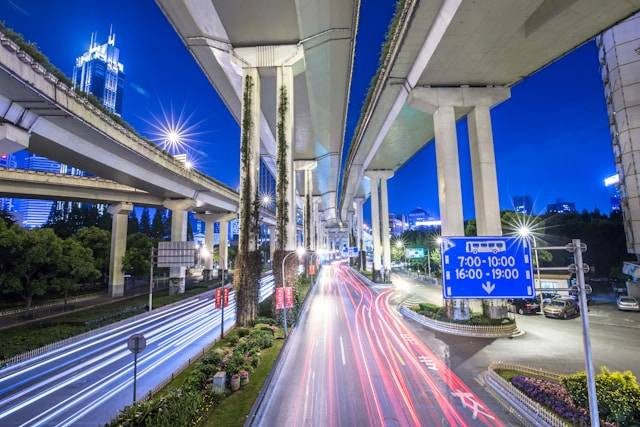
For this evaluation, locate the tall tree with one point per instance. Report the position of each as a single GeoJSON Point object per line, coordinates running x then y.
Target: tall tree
{"type": "Point", "coordinates": [75, 265]}
{"type": "Point", "coordinates": [145, 222]}
{"type": "Point", "coordinates": [136, 258]}
{"type": "Point", "coordinates": [99, 241]}
{"type": "Point", "coordinates": [34, 257]}
{"type": "Point", "coordinates": [132, 223]}
{"type": "Point", "coordinates": [157, 226]}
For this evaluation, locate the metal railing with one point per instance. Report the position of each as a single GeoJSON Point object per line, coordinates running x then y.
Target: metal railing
{"type": "Point", "coordinates": [478, 331]}
{"type": "Point", "coordinates": [526, 407]}
{"type": "Point", "coordinates": [44, 307]}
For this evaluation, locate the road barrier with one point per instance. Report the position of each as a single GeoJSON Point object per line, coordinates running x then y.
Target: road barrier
{"type": "Point", "coordinates": [266, 283]}
{"type": "Point", "coordinates": [38, 308]}
{"type": "Point", "coordinates": [477, 331]}
{"type": "Point", "coordinates": [526, 408]}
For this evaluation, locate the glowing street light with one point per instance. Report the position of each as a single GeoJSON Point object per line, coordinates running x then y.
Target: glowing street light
{"type": "Point", "coordinates": [524, 231]}
{"type": "Point", "coordinates": [266, 200]}
{"type": "Point", "coordinates": [439, 240]}
{"type": "Point", "coordinates": [399, 244]}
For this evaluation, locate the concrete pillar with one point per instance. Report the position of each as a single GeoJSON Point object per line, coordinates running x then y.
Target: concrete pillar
{"type": "Point", "coordinates": [208, 245]}
{"type": "Point", "coordinates": [249, 171]}
{"type": "Point", "coordinates": [223, 247]}
{"type": "Point", "coordinates": [384, 210]}
{"type": "Point", "coordinates": [448, 167]}
{"type": "Point", "coordinates": [210, 219]}
{"type": "Point", "coordinates": [119, 215]}
{"type": "Point", "coordinates": [483, 165]}
{"type": "Point", "coordinates": [285, 96]}
{"type": "Point", "coordinates": [374, 181]}
{"type": "Point", "coordinates": [358, 203]}
{"type": "Point", "coordinates": [13, 138]}
{"type": "Point", "coordinates": [272, 243]}
{"type": "Point", "coordinates": [179, 210]}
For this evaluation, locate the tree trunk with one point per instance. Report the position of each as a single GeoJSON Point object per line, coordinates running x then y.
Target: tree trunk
{"type": "Point", "coordinates": [246, 279]}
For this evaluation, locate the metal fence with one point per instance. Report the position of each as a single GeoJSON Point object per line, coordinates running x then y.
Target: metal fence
{"type": "Point", "coordinates": [48, 307]}
{"type": "Point", "coordinates": [526, 407]}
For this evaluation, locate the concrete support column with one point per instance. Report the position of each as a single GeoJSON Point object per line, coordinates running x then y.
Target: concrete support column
{"type": "Point", "coordinates": [208, 244]}
{"type": "Point", "coordinates": [179, 210]}
{"type": "Point", "coordinates": [285, 96]}
{"type": "Point", "coordinates": [249, 146]}
{"type": "Point", "coordinates": [315, 224]}
{"type": "Point", "coordinates": [384, 210]}
{"type": "Point", "coordinates": [223, 246]}
{"type": "Point", "coordinates": [119, 215]}
{"type": "Point", "coordinates": [358, 202]}
{"type": "Point", "coordinates": [483, 165]}
{"type": "Point", "coordinates": [272, 243]}
{"type": "Point", "coordinates": [308, 209]}
{"type": "Point", "coordinates": [374, 183]}
{"type": "Point", "coordinates": [448, 167]}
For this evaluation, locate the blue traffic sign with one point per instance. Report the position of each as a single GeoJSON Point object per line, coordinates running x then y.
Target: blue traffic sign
{"type": "Point", "coordinates": [486, 267]}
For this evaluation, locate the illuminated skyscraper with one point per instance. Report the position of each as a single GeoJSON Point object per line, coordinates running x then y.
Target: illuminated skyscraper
{"type": "Point", "coordinates": [99, 72]}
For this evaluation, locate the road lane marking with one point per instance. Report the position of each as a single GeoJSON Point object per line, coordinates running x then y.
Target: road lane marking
{"type": "Point", "coordinates": [344, 362]}
{"type": "Point", "coordinates": [428, 362]}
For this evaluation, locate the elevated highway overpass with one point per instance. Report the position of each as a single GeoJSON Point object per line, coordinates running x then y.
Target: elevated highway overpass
{"type": "Point", "coordinates": [42, 113]}
{"type": "Point", "coordinates": [446, 60]}
{"type": "Point", "coordinates": [121, 198]}
{"type": "Point", "coordinates": [305, 47]}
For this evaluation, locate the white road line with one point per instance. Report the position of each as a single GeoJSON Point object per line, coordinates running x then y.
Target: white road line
{"type": "Point", "coordinates": [344, 362]}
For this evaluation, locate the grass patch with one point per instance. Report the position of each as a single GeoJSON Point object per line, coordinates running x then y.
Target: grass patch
{"type": "Point", "coordinates": [27, 337]}
{"type": "Point", "coordinates": [233, 410]}
{"type": "Point", "coordinates": [437, 312]}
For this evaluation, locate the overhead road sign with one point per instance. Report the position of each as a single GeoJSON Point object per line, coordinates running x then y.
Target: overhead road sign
{"type": "Point", "coordinates": [486, 267]}
{"type": "Point", "coordinates": [413, 253]}
{"type": "Point", "coordinates": [177, 254]}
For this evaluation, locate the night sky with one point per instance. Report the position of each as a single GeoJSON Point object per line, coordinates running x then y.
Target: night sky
{"type": "Point", "coordinates": [551, 138]}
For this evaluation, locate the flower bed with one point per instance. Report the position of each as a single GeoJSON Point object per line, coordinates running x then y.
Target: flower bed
{"type": "Point", "coordinates": [187, 403]}
{"type": "Point", "coordinates": [436, 312]}
{"type": "Point", "coordinates": [552, 395]}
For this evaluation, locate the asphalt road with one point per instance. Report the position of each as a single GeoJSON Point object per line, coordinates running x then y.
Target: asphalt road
{"type": "Point", "coordinates": [87, 382]}
{"type": "Point", "coordinates": [553, 344]}
{"type": "Point", "coordinates": [353, 361]}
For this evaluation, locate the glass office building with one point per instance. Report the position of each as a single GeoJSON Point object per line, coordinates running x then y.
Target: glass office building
{"type": "Point", "coordinates": [99, 72]}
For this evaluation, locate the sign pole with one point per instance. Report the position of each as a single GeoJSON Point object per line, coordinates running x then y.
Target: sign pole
{"type": "Point", "coordinates": [135, 374]}
{"type": "Point", "coordinates": [151, 280]}
{"type": "Point", "coordinates": [222, 314]}
{"type": "Point", "coordinates": [584, 314]}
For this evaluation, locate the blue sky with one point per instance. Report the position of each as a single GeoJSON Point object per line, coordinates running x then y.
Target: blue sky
{"type": "Point", "coordinates": [551, 137]}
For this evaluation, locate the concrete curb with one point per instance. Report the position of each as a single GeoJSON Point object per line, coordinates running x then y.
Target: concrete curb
{"type": "Point", "coordinates": [252, 418]}
{"type": "Point", "coordinates": [507, 331]}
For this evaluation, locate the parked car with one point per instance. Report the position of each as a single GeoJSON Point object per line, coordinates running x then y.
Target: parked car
{"type": "Point", "coordinates": [547, 297]}
{"type": "Point", "coordinates": [563, 307]}
{"type": "Point", "coordinates": [524, 306]}
{"type": "Point", "coordinates": [574, 293]}
{"type": "Point", "coordinates": [628, 304]}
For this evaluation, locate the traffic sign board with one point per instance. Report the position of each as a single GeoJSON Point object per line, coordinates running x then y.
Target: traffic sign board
{"type": "Point", "coordinates": [284, 297]}
{"type": "Point", "coordinates": [136, 343]}
{"type": "Point", "coordinates": [486, 267]}
{"type": "Point", "coordinates": [221, 297]}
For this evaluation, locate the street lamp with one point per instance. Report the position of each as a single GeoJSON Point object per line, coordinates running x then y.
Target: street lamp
{"type": "Point", "coordinates": [525, 233]}
{"type": "Point", "coordinates": [400, 245]}
{"type": "Point", "coordinates": [265, 200]}
{"type": "Point", "coordinates": [300, 252]}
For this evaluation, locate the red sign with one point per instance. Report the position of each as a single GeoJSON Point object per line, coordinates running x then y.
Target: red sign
{"type": "Point", "coordinates": [284, 296]}
{"type": "Point", "coordinates": [226, 297]}
{"type": "Point", "coordinates": [279, 298]}
{"type": "Point", "coordinates": [218, 298]}
{"type": "Point", "coordinates": [222, 297]}
{"type": "Point", "coordinates": [288, 296]}
{"type": "Point", "coordinates": [312, 269]}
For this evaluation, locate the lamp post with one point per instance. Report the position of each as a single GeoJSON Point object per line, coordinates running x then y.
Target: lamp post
{"type": "Point", "coordinates": [400, 245]}
{"type": "Point", "coordinates": [525, 233]}
{"type": "Point", "coordinates": [300, 252]}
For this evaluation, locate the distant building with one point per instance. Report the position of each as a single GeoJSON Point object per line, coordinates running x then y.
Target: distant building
{"type": "Point", "coordinates": [523, 204]}
{"type": "Point", "coordinates": [416, 215]}
{"type": "Point", "coordinates": [34, 213]}
{"type": "Point", "coordinates": [99, 72]}
{"type": "Point", "coordinates": [396, 224]}
{"type": "Point", "coordinates": [560, 207]}
{"type": "Point", "coordinates": [613, 182]}
{"type": "Point", "coordinates": [7, 203]}
{"type": "Point", "coordinates": [619, 56]}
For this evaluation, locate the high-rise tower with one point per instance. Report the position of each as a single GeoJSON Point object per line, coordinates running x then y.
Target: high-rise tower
{"type": "Point", "coordinates": [99, 72]}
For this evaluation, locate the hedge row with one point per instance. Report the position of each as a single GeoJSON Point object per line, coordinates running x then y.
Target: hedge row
{"type": "Point", "coordinates": [436, 312]}
{"type": "Point", "coordinates": [190, 402]}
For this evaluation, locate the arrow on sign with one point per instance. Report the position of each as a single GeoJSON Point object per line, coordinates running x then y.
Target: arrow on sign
{"type": "Point", "coordinates": [488, 287]}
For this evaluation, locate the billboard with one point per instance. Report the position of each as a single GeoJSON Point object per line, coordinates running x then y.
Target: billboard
{"type": "Point", "coordinates": [413, 253]}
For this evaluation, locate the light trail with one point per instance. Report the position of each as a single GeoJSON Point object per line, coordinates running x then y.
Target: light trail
{"type": "Point", "coordinates": [90, 380]}
{"type": "Point", "coordinates": [393, 377]}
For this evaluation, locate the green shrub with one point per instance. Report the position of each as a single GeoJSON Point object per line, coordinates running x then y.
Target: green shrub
{"type": "Point", "coordinates": [265, 320]}
{"type": "Point", "coordinates": [242, 332]}
{"type": "Point", "coordinates": [233, 340]}
{"type": "Point", "coordinates": [618, 395]}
